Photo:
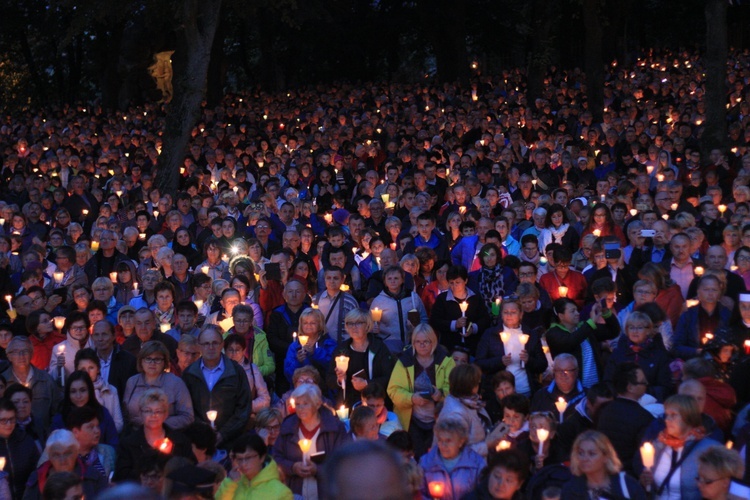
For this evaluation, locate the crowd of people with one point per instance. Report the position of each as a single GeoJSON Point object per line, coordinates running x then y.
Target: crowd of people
{"type": "Point", "coordinates": [477, 296]}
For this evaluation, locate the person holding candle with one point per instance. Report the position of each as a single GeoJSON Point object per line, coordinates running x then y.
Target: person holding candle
{"type": "Point", "coordinates": [147, 297]}
{"type": "Point", "coordinates": [452, 463]}
{"type": "Point", "coordinates": [153, 434]}
{"type": "Point", "coordinates": [543, 445]}
{"type": "Point", "coordinates": [65, 261]}
{"type": "Point", "coordinates": [509, 348]}
{"type": "Point", "coordinates": [312, 346]}
{"type": "Point", "coordinates": [334, 304]}
{"type": "Point", "coordinates": [369, 358]}
{"type": "Point", "coordinates": [676, 452]}
{"type": "Point", "coordinates": [396, 300]}
{"type": "Point", "coordinates": [217, 268]}
{"type": "Point", "coordinates": [458, 326]}
{"type": "Point", "coordinates": [601, 221]}
{"type": "Point", "coordinates": [597, 471]}
{"type": "Point", "coordinates": [43, 336]}
{"type": "Point", "coordinates": [62, 450]}
{"type": "Point", "coordinates": [562, 281]}
{"type": "Point", "coordinates": [503, 477]}
{"type": "Point", "coordinates": [79, 392]}
{"type": "Point", "coordinates": [418, 382]}
{"type": "Point", "coordinates": [106, 259]}
{"type": "Point", "coordinates": [582, 339]}
{"type": "Point", "coordinates": [492, 281]}
{"type": "Point", "coordinates": [557, 229]}
{"type": "Point", "coordinates": [235, 347]}
{"type": "Point", "coordinates": [254, 473]}
{"type": "Point", "coordinates": [76, 331]}
{"type": "Point", "coordinates": [706, 317]}
{"type": "Point", "coordinates": [281, 323]}
{"type": "Point", "coordinates": [318, 430]}
{"type": "Point", "coordinates": [103, 290]}
{"type": "Point", "coordinates": [152, 362]}
{"type": "Point", "coordinates": [216, 382]}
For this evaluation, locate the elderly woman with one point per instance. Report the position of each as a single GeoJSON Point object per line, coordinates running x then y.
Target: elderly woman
{"type": "Point", "coordinates": [164, 308]}
{"type": "Point", "coordinates": [596, 468]}
{"type": "Point", "coordinates": [551, 452]}
{"type": "Point", "coordinates": [153, 434]}
{"type": "Point", "coordinates": [396, 301]}
{"type": "Point", "coordinates": [677, 450]}
{"type": "Point", "coordinates": [46, 396]}
{"type": "Point", "coordinates": [103, 289]}
{"type": "Point", "coordinates": [451, 462]}
{"type": "Point", "coordinates": [418, 383]}
{"type": "Point", "coordinates": [106, 394]}
{"type": "Point", "coordinates": [235, 347]}
{"type": "Point", "coordinates": [147, 298]}
{"type": "Point", "coordinates": [369, 358]}
{"type": "Point", "coordinates": [643, 347]}
{"type": "Point", "coordinates": [255, 339]}
{"type": "Point", "coordinates": [464, 403]}
{"type": "Point", "coordinates": [254, 473]}
{"type": "Point", "coordinates": [62, 449]}
{"type": "Point", "coordinates": [76, 331]}
{"type": "Point", "coordinates": [152, 362]}
{"type": "Point", "coordinates": [312, 346]}
{"type": "Point", "coordinates": [268, 424]}
{"type": "Point", "coordinates": [304, 375]}
{"type": "Point", "coordinates": [319, 429]}
{"type": "Point", "coordinates": [717, 466]}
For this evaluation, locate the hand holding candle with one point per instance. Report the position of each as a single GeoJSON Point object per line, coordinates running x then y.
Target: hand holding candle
{"type": "Point", "coordinates": [437, 489]}
{"type": "Point", "coordinates": [164, 446]}
{"type": "Point", "coordinates": [464, 306]}
{"type": "Point", "coordinates": [561, 406]}
{"type": "Point", "coordinates": [304, 446]}
{"type": "Point", "coordinates": [343, 413]}
{"type": "Point", "coordinates": [211, 415]}
{"type": "Point", "coordinates": [524, 339]}
{"type": "Point", "coordinates": [542, 435]}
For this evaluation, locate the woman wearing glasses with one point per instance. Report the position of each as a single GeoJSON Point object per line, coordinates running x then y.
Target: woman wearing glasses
{"type": "Point", "coordinates": [152, 361]}
{"type": "Point", "coordinates": [717, 466]}
{"type": "Point", "coordinates": [418, 383]}
{"type": "Point", "coordinates": [154, 434]}
{"type": "Point", "coordinates": [369, 358]}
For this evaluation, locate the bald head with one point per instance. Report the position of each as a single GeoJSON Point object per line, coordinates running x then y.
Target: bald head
{"type": "Point", "coordinates": [388, 258]}
{"type": "Point", "coordinates": [716, 258]}
{"type": "Point", "coordinates": [695, 390]}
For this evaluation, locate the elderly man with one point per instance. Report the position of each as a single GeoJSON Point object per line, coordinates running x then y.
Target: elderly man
{"type": "Point", "coordinates": [716, 261]}
{"type": "Point", "coordinates": [105, 260]}
{"type": "Point", "coordinates": [283, 321]}
{"type": "Point", "coordinates": [216, 383]}
{"type": "Point", "coordinates": [145, 330]}
{"type": "Point", "coordinates": [565, 385]}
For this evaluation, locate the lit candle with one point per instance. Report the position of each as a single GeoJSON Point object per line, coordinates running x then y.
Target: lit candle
{"type": "Point", "coordinates": [142, 236]}
{"type": "Point", "coordinates": [647, 455]}
{"type": "Point", "coordinates": [692, 302]}
{"type": "Point", "coordinates": [61, 352]}
{"type": "Point", "coordinates": [633, 212]}
{"type": "Point", "coordinates": [292, 404]}
{"type": "Point", "coordinates": [164, 446]}
{"type": "Point", "coordinates": [729, 445]}
{"type": "Point", "coordinates": [673, 206]}
{"type": "Point", "coordinates": [59, 322]}
{"type": "Point", "coordinates": [699, 271]}
{"type": "Point", "coordinates": [385, 197]}
{"type": "Point", "coordinates": [344, 287]}
{"type": "Point", "coordinates": [328, 218]}
{"type": "Point", "coordinates": [58, 275]}
{"type": "Point", "coordinates": [562, 291]}
{"type": "Point", "coordinates": [542, 435]}
{"type": "Point", "coordinates": [304, 446]}
{"type": "Point", "coordinates": [343, 412]}
{"type": "Point", "coordinates": [164, 327]}
{"type": "Point", "coordinates": [303, 340]}
{"type": "Point", "coordinates": [746, 345]}
{"type": "Point", "coordinates": [561, 406]}
{"type": "Point", "coordinates": [660, 177]}
{"type": "Point", "coordinates": [113, 276]}
{"type": "Point", "coordinates": [377, 314]}
{"type": "Point", "coordinates": [504, 337]}
{"type": "Point", "coordinates": [437, 488]}
{"type": "Point", "coordinates": [211, 415]}
{"type": "Point", "coordinates": [722, 209]}
{"type": "Point", "coordinates": [94, 246]}
{"type": "Point", "coordinates": [9, 299]}
{"type": "Point", "coordinates": [85, 211]}
{"type": "Point", "coordinates": [205, 269]}
{"type": "Point", "coordinates": [534, 181]}
{"type": "Point", "coordinates": [462, 210]}
{"type": "Point", "coordinates": [708, 338]}
{"type": "Point", "coordinates": [597, 232]}
{"type": "Point", "coordinates": [135, 288]}
{"type": "Point", "coordinates": [524, 339]}
{"type": "Point", "coordinates": [665, 216]}
{"type": "Point", "coordinates": [496, 306]}
{"type": "Point", "coordinates": [502, 445]}
{"type": "Point", "coordinates": [2, 463]}
{"type": "Point", "coordinates": [342, 364]}
{"type": "Point", "coordinates": [464, 306]}
{"type": "Point", "coordinates": [650, 169]}
{"type": "Point", "coordinates": [2, 221]}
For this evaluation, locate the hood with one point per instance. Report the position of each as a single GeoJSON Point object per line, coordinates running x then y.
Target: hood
{"type": "Point", "coordinates": [268, 473]}
{"type": "Point", "coordinates": [719, 391]}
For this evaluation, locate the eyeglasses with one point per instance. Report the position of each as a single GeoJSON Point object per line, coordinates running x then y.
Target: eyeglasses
{"type": "Point", "coordinates": [423, 342]}
{"type": "Point", "coordinates": [703, 480]}
{"type": "Point", "coordinates": [211, 345]}
{"type": "Point", "coordinates": [352, 324]}
{"type": "Point", "coordinates": [572, 371]}
{"type": "Point", "coordinates": [153, 361]}
{"type": "Point", "coordinates": [8, 421]}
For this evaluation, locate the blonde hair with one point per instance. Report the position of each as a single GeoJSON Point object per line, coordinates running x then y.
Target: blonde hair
{"type": "Point", "coordinates": [317, 316]}
{"type": "Point", "coordinates": [602, 442]}
{"type": "Point", "coordinates": [726, 463]}
{"type": "Point", "coordinates": [426, 330]}
{"type": "Point", "coordinates": [359, 315]}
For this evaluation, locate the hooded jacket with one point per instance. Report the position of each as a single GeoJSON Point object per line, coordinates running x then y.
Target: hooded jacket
{"type": "Point", "coordinates": [458, 482]}
{"type": "Point", "coordinates": [401, 384]}
{"type": "Point", "coordinates": [394, 327]}
{"type": "Point", "coordinates": [267, 484]}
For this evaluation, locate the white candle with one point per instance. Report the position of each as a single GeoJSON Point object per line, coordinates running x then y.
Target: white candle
{"type": "Point", "coordinates": [58, 275]}
{"type": "Point", "coordinates": [59, 322]}
{"type": "Point", "coordinates": [343, 412]}
{"type": "Point", "coordinates": [561, 406]}
{"type": "Point", "coordinates": [542, 435]}
{"type": "Point", "coordinates": [304, 446]}
{"type": "Point", "coordinates": [9, 298]}
{"type": "Point", "coordinates": [464, 306]}
{"type": "Point", "coordinates": [647, 455]}
{"type": "Point", "coordinates": [524, 339]}
{"type": "Point", "coordinates": [562, 291]}
{"type": "Point", "coordinates": [211, 415]}
{"type": "Point", "coordinates": [113, 276]}
{"type": "Point", "coordinates": [502, 445]}
{"type": "Point", "coordinates": [377, 314]}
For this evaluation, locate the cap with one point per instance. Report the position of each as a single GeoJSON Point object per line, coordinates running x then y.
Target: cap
{"type": "Point", "coordinates": [123, 310]}
{"type": "Point", "coordinates": [582, 158]}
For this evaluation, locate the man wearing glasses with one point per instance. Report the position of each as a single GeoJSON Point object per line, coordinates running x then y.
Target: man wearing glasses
{"type": "Point", "coordinates": [565, 385]}
{"type": "Point", "coordinates": [216, 383]}
{"type": "Point", "coordinates": [18, 448]}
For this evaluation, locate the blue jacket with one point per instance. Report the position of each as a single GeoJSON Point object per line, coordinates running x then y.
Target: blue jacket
{"type": "Point", "coordinates": [460, 481]}
{"type": "Point", "coordinates": [686, 338]}
{"type": "Point", "coordinates": [464, 251]}
{"type": "Point", "coordinates": [106, 426]}
{"type": "Point", "coordinates": [320, 359]}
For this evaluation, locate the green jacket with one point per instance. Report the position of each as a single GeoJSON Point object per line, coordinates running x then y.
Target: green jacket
{"type": "Point", "coordinates": [262, 355]}
{"type": "Point", "coordinates": [266, 485]}
{"type": "Point", "coordinates": [401, 385]}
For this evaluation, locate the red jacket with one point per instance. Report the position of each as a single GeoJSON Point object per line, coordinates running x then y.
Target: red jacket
{"type": "Point", "coordinates": [43, 349]}
{"type": "Point", "coordinates": [576, 283]}
{"type": "Point", "coordinates": [720, 399]}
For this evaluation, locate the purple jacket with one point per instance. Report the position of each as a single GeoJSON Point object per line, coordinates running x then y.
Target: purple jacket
{"type": "Point", "coordinates": [286, 451]}
{"type": "Point", "coordinates": [461, 481]}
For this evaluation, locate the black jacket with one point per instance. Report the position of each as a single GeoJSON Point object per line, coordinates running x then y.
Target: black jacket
{"type": "Point", "coordinates": [491, 350]}
{"type": "Point", "coordinates": [379, 369]}
{"type": "Point", "coordinates": [134, 445]}
{"type": "Point", "coordinates": [624, 422]}
{"type": "Point", "coordinates": [121, 369]}
{"type": "Point", "coordinates": [21, 456]}
{"type": "Point", "coordinates": [230, 397]}
{"type": "Point", "coordinates": [651, 357]}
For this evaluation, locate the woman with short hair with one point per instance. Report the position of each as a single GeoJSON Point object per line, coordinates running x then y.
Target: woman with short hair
{"type": "Point", "coordinates": [717, 466]}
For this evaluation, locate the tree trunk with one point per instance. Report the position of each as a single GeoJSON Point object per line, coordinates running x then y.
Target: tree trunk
{"type": "Point", "coordinates": [594, 62]}
{"type": "Point", "coordinates": [715, 131]}
{"type": "Point", "coordinates": [445, 21]}
{"type": "Point", "coordinates": [217, 68]}
{"type": "Point", "coordinates": [544, 15]}
{"type": "Point", "coordinates": [191, 59]}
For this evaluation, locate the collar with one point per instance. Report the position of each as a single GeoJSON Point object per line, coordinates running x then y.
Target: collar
{"type": "Point", "coordinates": [216, 369]}
{"type": "Point", "coordinates": [450, 296]}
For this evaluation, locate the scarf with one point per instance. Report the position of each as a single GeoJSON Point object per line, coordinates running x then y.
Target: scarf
{"type": "Point", "coordinates": [166, 316]}
{"type": "Point", "coordinates": [637, 348]}
{"type": "Point", "coordinates": [675, 443]}
{"type": "Point", "coordinates": [557, 234]}
{"type": "Point", "coordinates": [491, 285]}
